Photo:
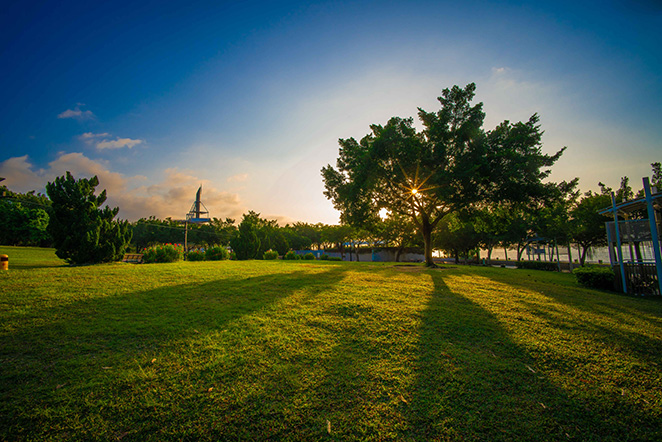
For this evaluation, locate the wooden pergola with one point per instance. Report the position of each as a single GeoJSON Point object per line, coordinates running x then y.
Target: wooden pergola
{"type": "Point", "coordinates": [637, 275]}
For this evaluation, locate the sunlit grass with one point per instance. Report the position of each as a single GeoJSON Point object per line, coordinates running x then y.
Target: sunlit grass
{"type": "Point", "coordinates": [272, 350]}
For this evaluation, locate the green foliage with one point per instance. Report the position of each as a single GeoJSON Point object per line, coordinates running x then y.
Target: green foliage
{"type": "Point", "coordinates": [23, 225]}
{"type": "Point", "coordinates": [291, 256]}
{"type": "Point", "coordinates": [309, 257]}
{"type": "Point", "coordinates": [296, 240]}
{"type": "Point", "coordinates": [195, 255]}
{"type": "Point", "coordinates": [216, 253]}
{"type": "Point", "coordinates": [451, 165]}
{"type": "Point", "coordinates": [82, 231]}
{"type": "Point", "coordinates": [335, 258]}
{"type": "Point", "coordinates": [457, 236]}
{"type": "Point", "coordinates": [24, 219]}
{"type": "Point", "coordinates": [256, 235]}
{"type": "Point", "coordinates": [587, 225]}
{"type": "Point", "coordinates": [324, 257]}
{"type": "Point", "coordinates": [163, 253]}
{"type": "Point", "coordinates": [595, 277]}
{"type": "Point", "coordinates": [152, 231]}
{"type": "Point", "coordinates": [538, 265]}
{"type": "Point", "coordinates": [270, 255]}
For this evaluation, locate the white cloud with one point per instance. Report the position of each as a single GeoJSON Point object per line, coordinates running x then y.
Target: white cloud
{"type": "Point", "coordinates": [89, 136]}
{"type": "Point", "coordinates": [20, 174]}
{"type": "Point", "coordinates": [102, 141]}
{"type": "Point", "coordinates": [77, 114]}
{"type": "Point", "coordinates": [171, 197]}
{"type": "Point", "coordinates": [118, 143]}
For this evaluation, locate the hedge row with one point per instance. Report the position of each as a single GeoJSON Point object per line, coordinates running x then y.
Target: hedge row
{"type": "Point", "coordinates": [595, 277]}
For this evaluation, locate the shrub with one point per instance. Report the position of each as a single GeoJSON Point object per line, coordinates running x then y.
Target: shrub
{"type": "Point", "coordinates": [233, 256]}
{"type": "Point", "coordinates": [309, 257]}
{"type": "Point", "coordinates": [195, 255]}
{"type": "Point", "coordinates": [538, 265]}
{"type": "Point", "coordinates": [595, 277]}
{"type": "Point", "coordinates": [335, 258]}
{"type": "Point", "coordinates": [324, 257]}
{"type": "Point", "coordinates": [166, 253]}
{"type": "Point", "coordinates": [270, 254]}
{"type": "Point", "coordinates": [291, 255]}
{"type": "Point", "coordinates": [216, 253]}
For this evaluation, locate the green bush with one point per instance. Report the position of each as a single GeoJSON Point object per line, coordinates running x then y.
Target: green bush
{"type": "Point", "coordinates": [595, 277]}
{"type": "Point", "coordinates": [309, 257]}
{"type": "Point", "coordinates": [538, 265]}
{"type": "Point", "coordinates": [270, 254]}
{"type": "Point", "coordinates": [216, 253]}
{"type": "Point", "coordinates": [335, 258]}
{"type": "Point", "coordinates": [166, 253]}
{"type": "Point", "coordinates": [324, 257]}
{"type": "Point", "coordinates": [291, 255]}
{"type": "Point", "coordinates": [195, 255]}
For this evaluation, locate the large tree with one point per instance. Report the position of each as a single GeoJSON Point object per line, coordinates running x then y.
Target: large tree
{"type": "Point", "coordinates": [82, 231]}
{"type": "Point", "coordinates": [451, 165]}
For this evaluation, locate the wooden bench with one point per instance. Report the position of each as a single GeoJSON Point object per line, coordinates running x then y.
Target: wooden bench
{"type": "Point", "coordinates": [133, 257]}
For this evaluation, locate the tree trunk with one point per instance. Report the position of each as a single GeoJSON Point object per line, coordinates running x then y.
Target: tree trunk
{"type": "Point", "coordinates": [570, 257]}
{"type": "Point", "coordinates": [582, 257]}
{"type": "Point", "coordinates": [427, 239]}
{"type": "Point", "coordinates": [489, 256]}
{"type": "Point", "coordinates": [558, 258]}
{"type": "Point", "coordinates": [520, 250]}
{"type": "Point", "coordinates": [397, 254]}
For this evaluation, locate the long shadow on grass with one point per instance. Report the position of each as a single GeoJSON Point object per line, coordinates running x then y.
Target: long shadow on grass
{"type": "Point", "coordinates": [475, 383]}
{"type": "Point", "coordinates": [85, 371]}
{"type": "Point", "coordinates": [625, 322]}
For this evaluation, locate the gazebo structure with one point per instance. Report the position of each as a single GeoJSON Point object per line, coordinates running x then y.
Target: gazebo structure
{"type": "Point", "coordinates": [638, 270]}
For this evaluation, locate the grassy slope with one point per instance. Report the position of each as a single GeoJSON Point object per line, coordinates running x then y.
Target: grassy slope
{"type": "Point", "coordinates": [281, 350]}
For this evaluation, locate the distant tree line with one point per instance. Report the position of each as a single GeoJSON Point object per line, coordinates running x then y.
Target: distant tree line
{"type": "Point", "coordinates": [24, 219]}
{"type": "Point", "coordinates": [565, 219]}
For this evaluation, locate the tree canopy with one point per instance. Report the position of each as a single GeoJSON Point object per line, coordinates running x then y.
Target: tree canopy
{"type": "Point", "coordinates": [84, 233]}
{"type": "Point", "coordinates": [451, 165]}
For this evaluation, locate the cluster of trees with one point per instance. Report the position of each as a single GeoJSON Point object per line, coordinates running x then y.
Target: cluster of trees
{"type": "Point", "coordinates": [24, 219]}
{"type": "Point", "coordinates": [567, 218]}
{"type": "Point", "coordinates": [255, 235]}
{"type": "Point", "coordinates": [470, 186]}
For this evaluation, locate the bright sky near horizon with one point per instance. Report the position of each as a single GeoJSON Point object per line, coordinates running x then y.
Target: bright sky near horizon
{"type": "Point", "coordinates": [249, 99]}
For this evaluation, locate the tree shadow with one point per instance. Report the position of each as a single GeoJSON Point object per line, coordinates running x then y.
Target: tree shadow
{"type": "Point", "coordinates": [68, 369]}
{"type": "Point", "coordinates": [631, 324]}
{"type": "Point", "coordinates": [475, 383]}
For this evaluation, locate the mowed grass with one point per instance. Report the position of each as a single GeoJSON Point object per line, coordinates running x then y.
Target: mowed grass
{"type": "Point", "coordinates": [274, 350]}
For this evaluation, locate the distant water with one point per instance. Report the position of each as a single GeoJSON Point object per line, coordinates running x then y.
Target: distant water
{"type": "Point", "coordinates": [594, 255]}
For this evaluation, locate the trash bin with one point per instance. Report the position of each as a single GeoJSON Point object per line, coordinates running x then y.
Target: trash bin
{"type": "Point", "coordinates": [4, 262]}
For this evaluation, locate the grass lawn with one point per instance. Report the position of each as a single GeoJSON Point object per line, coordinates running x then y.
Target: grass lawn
{"type": "Point", "coordinates": [300, 350]}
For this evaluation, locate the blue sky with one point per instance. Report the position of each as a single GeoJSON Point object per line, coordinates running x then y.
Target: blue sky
{"type": "Point", "coordinates": [250, 98]}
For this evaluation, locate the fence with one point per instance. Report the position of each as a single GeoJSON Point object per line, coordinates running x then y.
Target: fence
{"type": "Point", "coordinates": [641, 278]}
